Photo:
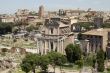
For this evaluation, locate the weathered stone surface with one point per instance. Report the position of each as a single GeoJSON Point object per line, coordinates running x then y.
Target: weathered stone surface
{"type": "Point", "coordinates": [5, 64]}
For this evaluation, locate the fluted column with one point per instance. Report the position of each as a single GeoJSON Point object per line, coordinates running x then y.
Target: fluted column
{"type": "Point", "coordinates": [49, 46]}
{"type": "Point", "coordinates": [58, 46]}
{"type": "Point", "coordinates": [63, 46]}
{"type": "Point", "coordinates": [37, 46]}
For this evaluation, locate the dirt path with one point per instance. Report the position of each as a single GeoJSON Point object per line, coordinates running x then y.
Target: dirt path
{"type": "Point", "coordinates": [5, 71]}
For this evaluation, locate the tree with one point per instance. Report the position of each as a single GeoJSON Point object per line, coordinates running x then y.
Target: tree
{"type": "Point", "coordinates": [44, 61]}
{"type": "Point", "coordinates": [79, 63]}
{"type": "Point", "coordinates": [15, 30]}
{"type": "Point", "coordinates": [88, 16]}
{"type": "Point", "coordinates": [3, 51]}
{"type": "Point", "coordinates": [79, 36]}
{"type": "Point", "coordinates": [94, 61]}
{"type": "Point", "coordinates": [30, 28]}
{"type": "Point", "coordinates": [105, 25]}
{"type": "Point", "coordinates": [20, 23]}
{"type": "Point", "coordinates": [69, 52]}
{"type": "Point", "coordinates": [73, 53]}
{"type": "Point", "coordinates": [100, 60]}
{"type": "Point", "coordinates": [61, 60]}
{"type": "Point", "coordinates": [56, 59]}
{"type": "Point", "coordinates": [38, 25]}
{"type": "Point", "coordinates": [90, 60]}
{"type": "Point", "coordinates": [5, 27]}
{"type": "Point", "coordinates": [25, 66]}
{"type": "Point", "coordinates": [32, 13]}
{"type": "Point", "coordinates": [31, 60]}
{"type": "Point", "coordinates": [86, 25]}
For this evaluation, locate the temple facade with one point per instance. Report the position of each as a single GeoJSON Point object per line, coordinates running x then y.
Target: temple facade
{"type": "Point", "coordinates": [55, 36]}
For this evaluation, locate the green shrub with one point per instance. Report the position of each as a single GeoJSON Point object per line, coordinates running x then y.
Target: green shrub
{"type": "Point", "coordinates": [79, 63]}
{"type": "Point", "coordinates": [108, 69]}
{"type": "Point", "coordinates": [100, 60]}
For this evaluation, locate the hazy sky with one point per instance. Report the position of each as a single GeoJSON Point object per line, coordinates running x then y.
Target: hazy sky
{"type": "Point", "coordinates": [10, 6]}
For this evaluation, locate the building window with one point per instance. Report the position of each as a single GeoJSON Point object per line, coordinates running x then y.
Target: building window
{"type": "Point", "coordinates": [51, 30]}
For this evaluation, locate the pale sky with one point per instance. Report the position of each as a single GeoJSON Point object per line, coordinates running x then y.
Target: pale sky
{"type": "Point", "coordinates": [10, 6]}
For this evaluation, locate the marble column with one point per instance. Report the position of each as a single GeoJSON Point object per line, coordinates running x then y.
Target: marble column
{"type": "Point", "coordinates": [41, 47]}
{"type": "Point", "coordinates": [88, 49]}
{"type": "Point", "coordinates": [58, 45]}
{"type": "Point", "coordinates": [62, 46]}
{"type": "Point", "coordinates": [53, 46]}
{"type": "Point", "coordinates": [49, 46]}
{"type": "Point", "coordinates": [37, 46]}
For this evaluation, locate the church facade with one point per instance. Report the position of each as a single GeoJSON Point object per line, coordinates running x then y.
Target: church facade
{"type": "Point", "coordinates": [55, 36]}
